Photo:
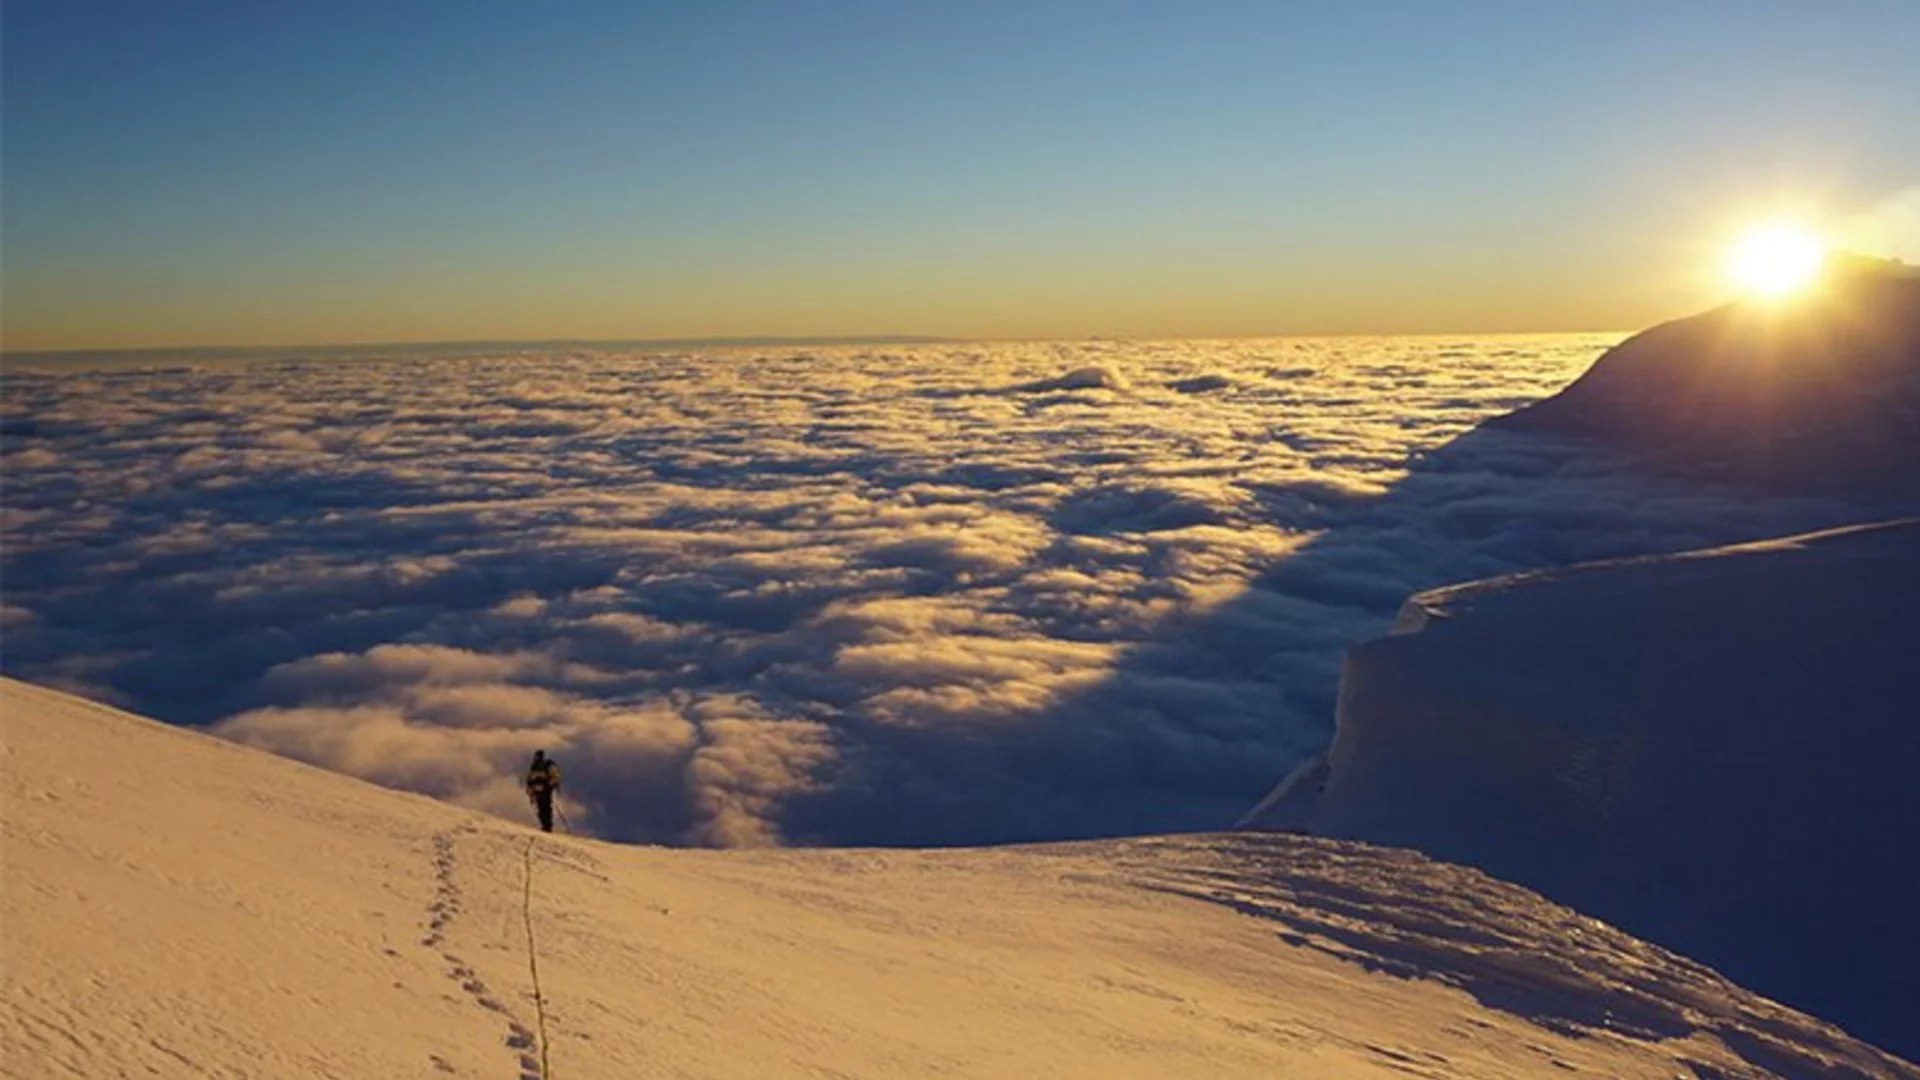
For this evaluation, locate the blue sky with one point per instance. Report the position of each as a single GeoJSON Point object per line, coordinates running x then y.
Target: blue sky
{"type": "Point", "coordinates": [278, 172]}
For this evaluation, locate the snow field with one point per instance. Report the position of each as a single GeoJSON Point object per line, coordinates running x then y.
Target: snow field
{"type": "Point", "coordinates": [178, 906]}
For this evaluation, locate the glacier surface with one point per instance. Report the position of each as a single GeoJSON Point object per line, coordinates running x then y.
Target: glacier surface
{"type": "Point", "coordinates": [1717, 750]}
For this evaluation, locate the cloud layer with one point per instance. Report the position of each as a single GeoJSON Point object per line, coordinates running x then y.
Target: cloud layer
{"type": "Point", "coordinates": [914, 595]}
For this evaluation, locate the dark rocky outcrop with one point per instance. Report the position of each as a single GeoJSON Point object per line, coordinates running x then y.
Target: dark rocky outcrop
{"type": "Point", "coordinates": [1817, 394]}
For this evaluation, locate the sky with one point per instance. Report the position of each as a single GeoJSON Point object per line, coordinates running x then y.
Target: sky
{"type": "Point", "coordinates": [248, 173]}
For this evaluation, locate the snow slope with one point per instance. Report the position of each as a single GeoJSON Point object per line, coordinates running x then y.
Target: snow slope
{"type": "Point", "coordinates": [179, 906]}
{"type": "Point", "coordinates": [1715, 750]}
{"type": "Point", "coordinates": [1820, 395]}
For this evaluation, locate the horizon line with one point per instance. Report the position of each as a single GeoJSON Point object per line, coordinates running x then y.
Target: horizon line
{"type": "Point", "coordinates": [750, 340]}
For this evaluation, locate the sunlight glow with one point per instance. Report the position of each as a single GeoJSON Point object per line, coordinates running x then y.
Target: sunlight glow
{"type": "Point", "coordinates": [1776, 261]}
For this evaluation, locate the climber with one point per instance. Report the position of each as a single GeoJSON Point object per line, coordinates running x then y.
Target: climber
{"type": "Point", "coordinates": [543, 779]}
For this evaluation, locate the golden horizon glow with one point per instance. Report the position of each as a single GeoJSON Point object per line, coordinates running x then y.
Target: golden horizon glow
{"type": "Point", "coordinates": [1777, 260]}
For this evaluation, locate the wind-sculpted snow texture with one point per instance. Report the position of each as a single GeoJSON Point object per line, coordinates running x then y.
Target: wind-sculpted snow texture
{"type": "Point", "coordinates": [1399, 912]}
{"type": "Point", "coordinates": [902, 595]}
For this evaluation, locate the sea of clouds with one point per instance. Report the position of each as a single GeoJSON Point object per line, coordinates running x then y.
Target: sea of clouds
{"type": "Point", "coordinates": [922, 594]}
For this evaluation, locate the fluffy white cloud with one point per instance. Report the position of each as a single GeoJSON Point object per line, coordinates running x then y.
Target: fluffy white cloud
{"type": "Point", "coordinates": [918, 595]}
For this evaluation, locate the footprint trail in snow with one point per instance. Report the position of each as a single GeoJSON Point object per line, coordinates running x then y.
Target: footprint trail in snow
{"type": "Point", "coordinates": [441, 912]}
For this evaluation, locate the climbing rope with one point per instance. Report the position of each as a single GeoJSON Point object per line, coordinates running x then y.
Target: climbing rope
{"type": "Point", "coordinates": [533, 961]}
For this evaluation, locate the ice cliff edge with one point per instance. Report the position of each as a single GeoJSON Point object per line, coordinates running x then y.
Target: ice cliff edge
{"type": "Point", "coordinates": [1718, 750]}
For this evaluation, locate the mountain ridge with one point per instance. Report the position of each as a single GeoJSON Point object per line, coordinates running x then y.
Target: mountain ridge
{"type": "Point", "coordinates": [1812, 394]}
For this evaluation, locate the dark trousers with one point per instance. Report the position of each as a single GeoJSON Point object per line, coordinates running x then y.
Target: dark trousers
{"type": "Point", "coordinates": [543, 804]}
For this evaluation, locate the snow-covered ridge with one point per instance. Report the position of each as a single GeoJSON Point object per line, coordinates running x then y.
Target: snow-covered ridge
{"type": "Point", "coordinates": [1715, 750]}
{"type": "Point", "coordinates": [1506, 595]}
{"type": "Point", "coordinates": [174, 905]}
{"type": "Point", "coordinates": [1819, 395]}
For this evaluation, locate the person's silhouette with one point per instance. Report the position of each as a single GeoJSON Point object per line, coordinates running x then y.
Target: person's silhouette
{"type": "Point", "coordinates": [543, 779]}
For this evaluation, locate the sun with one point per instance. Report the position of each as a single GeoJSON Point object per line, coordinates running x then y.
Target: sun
{"type": "Point", "coordinates": [1776, 261]}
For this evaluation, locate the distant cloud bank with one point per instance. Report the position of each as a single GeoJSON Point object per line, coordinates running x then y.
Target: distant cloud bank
{"type": "Point", "coordinates": [902, 595]}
